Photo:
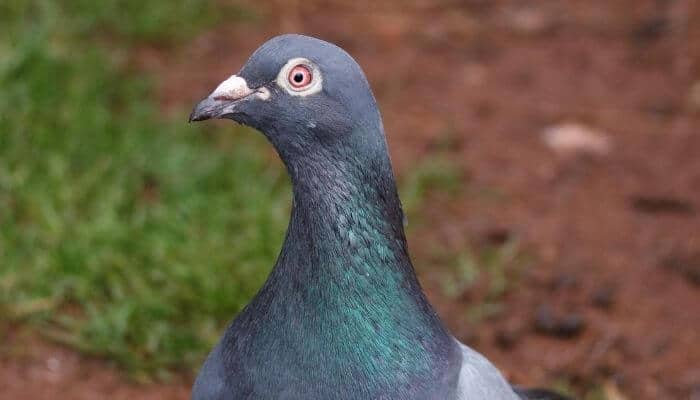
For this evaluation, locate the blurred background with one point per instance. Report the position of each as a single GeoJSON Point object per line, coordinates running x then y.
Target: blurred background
{"type": "Point", "coordinates": [548, 156]}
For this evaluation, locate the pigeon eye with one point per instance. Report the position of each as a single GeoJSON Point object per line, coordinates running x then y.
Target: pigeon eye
{"type": "Point", "coordinates": [300, 76]}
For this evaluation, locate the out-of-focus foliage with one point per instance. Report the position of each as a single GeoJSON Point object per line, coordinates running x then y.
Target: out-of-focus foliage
{"type": "Point", "coordinates": [122, 233]}
{"type": "Point", "coordinates": [157, 20]}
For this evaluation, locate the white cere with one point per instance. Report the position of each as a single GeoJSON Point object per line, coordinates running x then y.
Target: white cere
{"type": "Point", "coordinates": [236, 87]}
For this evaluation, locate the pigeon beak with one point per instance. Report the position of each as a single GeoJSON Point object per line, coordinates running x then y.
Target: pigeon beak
{"type": "Point", "coordinates": [206, 109]}
{"type": "Point", "coordinates": [222, 101]}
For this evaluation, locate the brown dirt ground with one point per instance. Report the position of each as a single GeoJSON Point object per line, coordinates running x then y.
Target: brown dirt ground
{"type": "Point", "coordinates": [31, 368]}
{"type": "Point", "coordinates": [479, 81]}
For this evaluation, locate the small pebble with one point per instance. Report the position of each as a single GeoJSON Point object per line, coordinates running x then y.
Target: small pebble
{"type": "Point", "coordinates": [694, 97]}
{"type": "Point", "coordinates": [687, 264]}
{"type": "Point", "coordinates": [562, 326]}
{"type": "Point", "coordinates": [53, 364]}
{"type": "Point", "coordinates": [651, 204]}
{"type": "Point", "coordinates": [603, 297]}
{"type": "Point", "coordinates": [507, 338]}
{"type": "Point", "coordinates": [575, 138]}
{"type": "Point", "coordinates": [565, 281]}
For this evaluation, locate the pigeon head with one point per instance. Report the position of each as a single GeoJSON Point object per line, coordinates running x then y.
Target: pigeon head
{"type": "Point", "coordinates": [307, 96]}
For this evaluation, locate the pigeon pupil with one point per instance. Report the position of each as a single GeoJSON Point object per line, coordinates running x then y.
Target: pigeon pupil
{"type": "Point", "coordinates": [298, 77]}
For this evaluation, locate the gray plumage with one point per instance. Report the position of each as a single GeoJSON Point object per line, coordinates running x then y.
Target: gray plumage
{"type": "Point", "coordinates": [342, 314]}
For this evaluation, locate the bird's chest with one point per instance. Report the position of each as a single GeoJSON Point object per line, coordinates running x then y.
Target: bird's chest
{"type": "Point", "coordinates": [312, 354]}
{"type": "Point", "coordinates": [324, 381]}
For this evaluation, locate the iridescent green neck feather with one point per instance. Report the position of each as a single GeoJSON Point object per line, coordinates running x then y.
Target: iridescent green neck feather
{"type": "Point", "coordinates": [343, 295]}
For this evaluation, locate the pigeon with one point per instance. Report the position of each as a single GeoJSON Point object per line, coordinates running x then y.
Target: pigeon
{"type": "Point", "coordinates": [342, 314]}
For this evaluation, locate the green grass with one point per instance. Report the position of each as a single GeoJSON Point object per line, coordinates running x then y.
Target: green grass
{"type": "Point", "coordinates": [125, 21]}
{"type": "Point", "coordinates": [437, 173]}
{"type": "Point", "coordinates": [121, 233]}
{"type": "Point", "coordinates": [586, 391]}
{"type": "Point", "coordinates": [487, 274]}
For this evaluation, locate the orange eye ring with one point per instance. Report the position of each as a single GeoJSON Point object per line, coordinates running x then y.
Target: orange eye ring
{"type": "Point", "coordinates": [300, 77]}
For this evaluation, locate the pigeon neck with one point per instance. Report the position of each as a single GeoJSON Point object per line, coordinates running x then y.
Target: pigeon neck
{"type": "Point", "coordinates": [343, 293]}
{"type": "Point", "coordinates": [348, 205]}
{"type": "Point", "coordinates": [344, 284]}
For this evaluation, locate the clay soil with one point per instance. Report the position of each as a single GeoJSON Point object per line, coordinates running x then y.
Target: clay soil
{"type": "Point", "coordinates": [609, 296]}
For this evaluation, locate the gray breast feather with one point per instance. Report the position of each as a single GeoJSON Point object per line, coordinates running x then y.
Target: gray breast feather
{"type": "Point", "coordinates": [479, 379]}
